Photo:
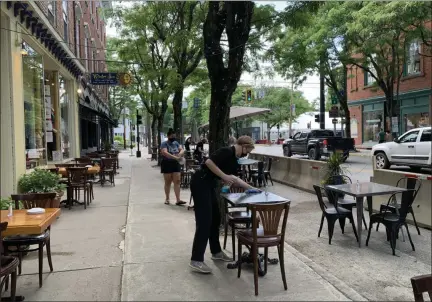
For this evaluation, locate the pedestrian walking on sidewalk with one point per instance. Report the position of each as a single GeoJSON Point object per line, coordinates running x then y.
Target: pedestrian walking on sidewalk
{"type": "Point", "coordinates": [381, 136]}
{"type": "Point", "coordinates": [222, 165]}
{"type": "Point", "coordinates": [172, 153]}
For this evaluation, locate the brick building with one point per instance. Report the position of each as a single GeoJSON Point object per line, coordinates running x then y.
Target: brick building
{"type": "Point", "coordinates": [367, 103]}
{"type": "Point", "coordinates": [49, 110]}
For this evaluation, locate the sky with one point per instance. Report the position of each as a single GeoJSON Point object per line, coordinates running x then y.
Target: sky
{"type": "Point", "coordinates": [310, 87]}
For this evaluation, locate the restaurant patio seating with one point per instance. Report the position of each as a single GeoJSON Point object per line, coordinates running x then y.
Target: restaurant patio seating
{"type": "Point", "coordinates": [108, 167]}
{"type": "Point", "coordinates": [410, 183]}
{"type": "Point", "coordinates": [65, 165]}
{"type": "Point", "coordinates": [258, 177]}
{"type": "Point", "coordinates": [421, 284]}
{"type": "Point", "coordinates": [84, 160]}
{"type": "Point", "coordinates": [332, 214]}
{"type": "Point", "coordinates": [265, 237]}
{"type": "Point", "coordinates": [77, 181]}
{"type": "Point", "coordinates": [393, 222]}
{"type": "Point", "coordinates": [234, 219]}
{"type": "Point", "coordinates": [19, 243]}
{"type": "Point", "coordinates": [349, 203]}
{"type": "Point", "coordinates": [8, 266]}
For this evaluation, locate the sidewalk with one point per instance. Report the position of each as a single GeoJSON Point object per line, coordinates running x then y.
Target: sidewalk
{"type": "Point", "coordinates": [129, 246]}
{"type": "Point", "coordinates": [158, 247]}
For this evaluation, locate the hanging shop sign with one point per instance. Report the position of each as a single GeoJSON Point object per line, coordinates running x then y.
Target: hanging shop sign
{"type": "Point", "coordinates": [110, 78]}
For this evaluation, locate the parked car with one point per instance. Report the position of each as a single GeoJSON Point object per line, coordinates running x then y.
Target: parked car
{"type": "Point", "coordinates": [413, 149]}
{"type": "Point", "coordinates": [317, 143]}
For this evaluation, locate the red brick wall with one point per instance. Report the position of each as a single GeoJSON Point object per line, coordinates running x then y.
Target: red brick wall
{"type": "Point", "coordinates": [357, 91]}
{"type": "Point", "coordinates": [96, 30]}
{"type": "Point", "coordinates": [356, 113]}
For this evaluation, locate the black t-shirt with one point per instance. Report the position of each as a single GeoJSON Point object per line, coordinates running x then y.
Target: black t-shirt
{"type": "Point", "coordinates": [226, 160]}
{"type": "Point", "coordinates": [199, 146]}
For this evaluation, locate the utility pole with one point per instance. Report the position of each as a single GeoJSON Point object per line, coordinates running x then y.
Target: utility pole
{"type": "Point", "coordinates": [322, 96]}
{"type": "Point", "coordinates": [124, 130]}
{"type": "Point", "coordinates": [290, 106]}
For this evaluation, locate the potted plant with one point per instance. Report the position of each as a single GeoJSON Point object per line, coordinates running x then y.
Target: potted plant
{"type": "Point", "coordinates": [107, 146]}
{"type": "Point", "coordinates": [333, 171]}
{"type": "Point", "coordinates": [42, 181]}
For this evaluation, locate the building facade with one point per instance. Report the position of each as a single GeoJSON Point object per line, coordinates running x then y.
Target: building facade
{"type": "Point", "coordinates": [49, 111]}
{"type": "Point", "coordinates": [367, 102]}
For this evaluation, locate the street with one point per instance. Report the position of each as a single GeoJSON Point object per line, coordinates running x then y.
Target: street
{"type": "Point", "coordinates": [358, 165]}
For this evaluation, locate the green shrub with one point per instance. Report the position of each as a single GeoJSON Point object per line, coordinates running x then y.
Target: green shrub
{"type": "Point", "coordinates": [40, 181]}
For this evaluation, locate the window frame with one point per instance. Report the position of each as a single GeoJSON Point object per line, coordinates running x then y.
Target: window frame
{"type": "Point", "coordinates": [408, 134]}
{"type": "Point", "coordinates": [429, 131]}
{"type": "Point", "coordinates": [52, 12]}
{"type": "Point", "coordinates": [65, 21]}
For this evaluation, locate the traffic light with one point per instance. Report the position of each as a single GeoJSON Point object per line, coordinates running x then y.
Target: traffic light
{"type": "Point", "coordinates": [139, 120]}
{"type": "Point", "coordinates": [317, 118]}
{"type": "Point", "coordinates": [248, 95]}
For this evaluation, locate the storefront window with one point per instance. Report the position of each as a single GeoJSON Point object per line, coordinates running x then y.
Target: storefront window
{"type": "Point", "coordinates": [372, 125]}
{"type": "Point", "coordinates": [34, 107]}
{"type": "Point", "coordinates": [416, 120]}
{"type": "Point", "coordinates": [64, 109]}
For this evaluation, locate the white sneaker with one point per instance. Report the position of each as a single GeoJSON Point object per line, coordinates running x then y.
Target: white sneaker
{"type": "Point", "coordinates": [200, 267]}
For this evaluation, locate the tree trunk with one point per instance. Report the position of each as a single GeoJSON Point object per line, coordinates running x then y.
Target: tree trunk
{"type": "Point", "coordinates": [177, 109]}
{"type": "Point", "coordinates": [219, 118]}
{"type": "Point", "coordinates": [345, 104]}
{"type": "Point", "coordinates": [154, 131]}
{"type": "Point", "coordinates": [149, 131]}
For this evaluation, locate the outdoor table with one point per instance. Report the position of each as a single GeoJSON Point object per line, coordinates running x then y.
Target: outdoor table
{"type": "Point", "coordinates": [21, 223]}
{"type": "Point", "coordinates": [243, 199]}
{"type": "Point", "coordinates": [366, 189]}
{"type": "Point", "coordinates": [247, 162]}
{"type": "Point", "coordinates": [93, 170]}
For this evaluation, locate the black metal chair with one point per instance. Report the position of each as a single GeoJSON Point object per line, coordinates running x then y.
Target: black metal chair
{"type": "Point", "coordinates": [332, 214]}
{"type": "Point", "coordinates": [421, 284]}
{"type": "Point", "coordinates": [8, 266]}
{"type": "Point", "coordinates": [410, 184]}
{"type": "Point", "coordinates": [258, 177]}
{"type": "Point", "coordinates": [349, 203]}
{"type": "Point", "coordinates": [267, 170]}
{"type": "Point", "coordinates": [394, 221]}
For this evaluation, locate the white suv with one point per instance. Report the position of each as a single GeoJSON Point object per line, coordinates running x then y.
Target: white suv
{"type": "Point", "coordinates": [412, 149]}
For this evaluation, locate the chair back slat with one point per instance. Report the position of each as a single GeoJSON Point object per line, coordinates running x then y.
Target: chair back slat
{"type": "Point", "coordinates": [319, 193]}
{"type": "Point", "coordinates": [421, 284]}
{"type": "Point", "coordinates": [108, 163]}
{"type": "Point", "coordinates": [77, 175]}
{"type": "Point", "coordinates": [269, 165]}
{"type": "Point", "coordinates": [406, 204]}
{"type": "Point", "coordinates": [34, 200]}
{"type": "Point", "coordinates": [270, 216]}
{"type": "Point", "coordinates": [3, 226]}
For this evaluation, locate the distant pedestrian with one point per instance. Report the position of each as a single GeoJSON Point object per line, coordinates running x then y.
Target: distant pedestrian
{"type": "Point", "coordinates": [172, 153]}
{"type": "Point", "coordinates": [199, 151]}
{"type": "Point", "coordinates": [381, 136]}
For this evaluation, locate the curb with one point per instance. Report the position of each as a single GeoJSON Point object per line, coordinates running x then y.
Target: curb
{"type": "Point", "coordinates": [361, 154]}
{"type": "Point", "coordinates": [338, 284]}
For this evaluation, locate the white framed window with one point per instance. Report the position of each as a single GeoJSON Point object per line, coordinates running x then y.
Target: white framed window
{"type": "Point", "coordinates": [369, 79]}
{"type": "Point", "coordinates": [65, 21]}
{"type": "Point", "coordinates": [52, 12]}
{"type": "Point", "coordinates": [413, 58]}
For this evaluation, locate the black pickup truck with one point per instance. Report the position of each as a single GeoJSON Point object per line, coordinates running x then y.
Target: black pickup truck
{"type": "Point", "coordinates": [317, 143]}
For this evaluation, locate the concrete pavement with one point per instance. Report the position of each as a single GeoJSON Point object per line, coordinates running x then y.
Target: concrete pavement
{"type": "Point", "coordinates": [129, 246]}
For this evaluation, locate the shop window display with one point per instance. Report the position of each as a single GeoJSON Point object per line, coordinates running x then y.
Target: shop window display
{"type": "Point", "coordinates": [371, 126]}
{"type": "Point", "coordinates": [416, 120]}
{"type": "Point", "coordinates": [34, 108]}
{"type": "Point", "coordinates": [64, 109]}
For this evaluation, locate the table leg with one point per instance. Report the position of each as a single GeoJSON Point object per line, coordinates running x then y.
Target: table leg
{"type": "Point", "coordinates": [359, 201]}
{"type": "Point", "coordinates": [247, 258]}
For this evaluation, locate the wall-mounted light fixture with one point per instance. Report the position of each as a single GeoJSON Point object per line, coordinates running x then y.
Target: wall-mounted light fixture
{"type": "Point", "coordinates": [79, 90]}
{"type": "Point", "coordinates": [23, 51]}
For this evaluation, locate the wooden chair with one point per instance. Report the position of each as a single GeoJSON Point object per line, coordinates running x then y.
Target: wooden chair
{"type": "Point", "coordinates": [267, 236]}
{"type": "Point", "coordinates": [421, 284]}
{"type": "Point", "coordinates": [83, 160]}
{"type": "Point", "coordinates": [19, 242]}
{"type": "Point", "coordinates": [108, 167]}
{"type": "Point", "coordinates": [234, 218]}
{"type": "Point", "coordinates": [8, 266]}
{"type": "Point", "coordinates": [77, 182]}
{"type": "Point", "coordinates": [332, 214]}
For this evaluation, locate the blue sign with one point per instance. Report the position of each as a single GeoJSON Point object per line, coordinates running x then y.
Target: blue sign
{"type": "Point", "coordinates": [104, 78]}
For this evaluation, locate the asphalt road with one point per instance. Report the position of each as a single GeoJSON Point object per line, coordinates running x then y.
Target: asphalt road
{"type": "Point", "coordinates": [358, 165]}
